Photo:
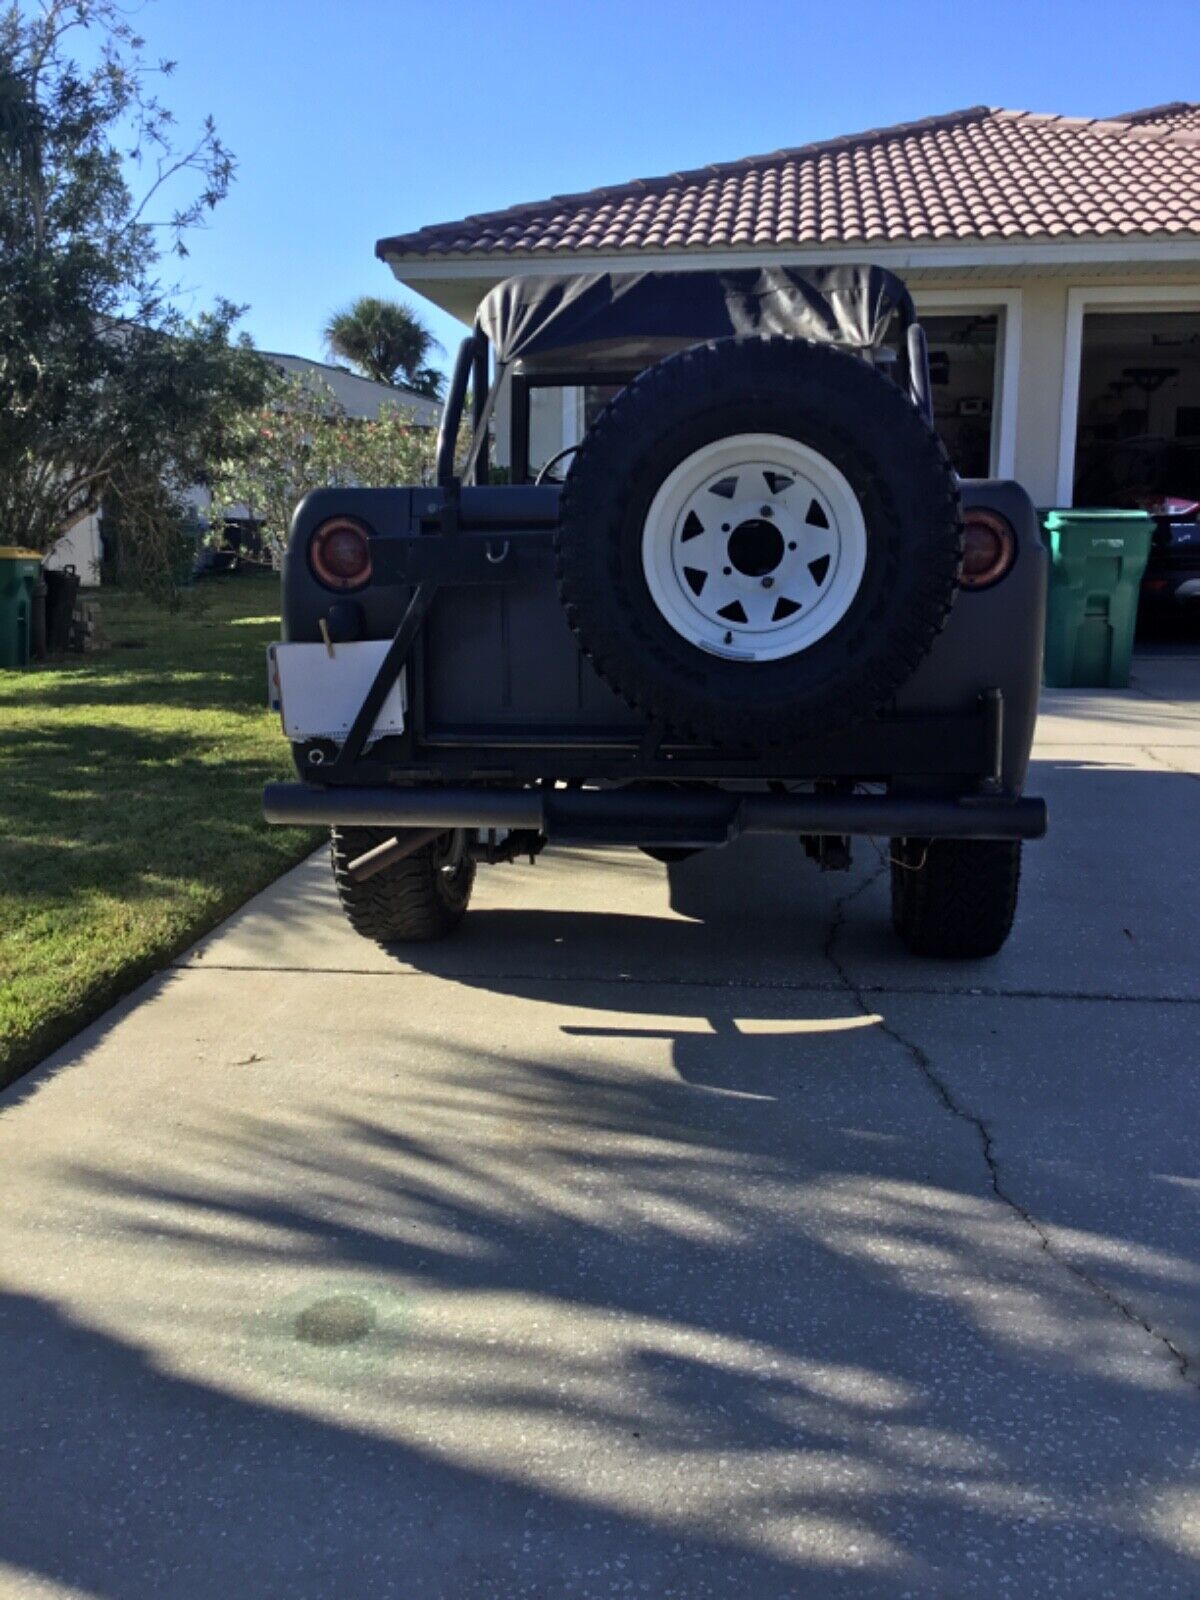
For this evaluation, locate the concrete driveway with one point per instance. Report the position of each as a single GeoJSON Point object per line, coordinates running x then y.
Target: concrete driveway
{"type": "Point", "coordinates": [664, 1235]}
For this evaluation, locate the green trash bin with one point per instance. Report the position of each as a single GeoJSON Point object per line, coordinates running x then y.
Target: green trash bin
{"type": "Point", "coordinates": [1096, 563]}
{"type": "Point", "coordinates": [19, 573]}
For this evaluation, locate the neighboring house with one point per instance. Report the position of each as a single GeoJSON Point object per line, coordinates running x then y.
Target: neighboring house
{"type": "Point", "coordinates": [360, 397]}
{"type": "Point", "coordinates": [1055, 262]}
{"type": "Point", "coordinates": [80, 549]}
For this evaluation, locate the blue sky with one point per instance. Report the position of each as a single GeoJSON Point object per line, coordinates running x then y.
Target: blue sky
{"type": "Point", "coordinates": [364, 118]}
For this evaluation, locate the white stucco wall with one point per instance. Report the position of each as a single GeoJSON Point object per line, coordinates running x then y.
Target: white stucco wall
{"type": "Point", "coordinates": [80, 549]}
{"type": "Point", "coordinates": [1040, 388]}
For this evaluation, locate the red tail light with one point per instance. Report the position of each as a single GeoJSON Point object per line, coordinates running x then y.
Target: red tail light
{"type": "Point", "coordinates": [340, 553]}
{"type": "Point", "coordinates": [989, 548]}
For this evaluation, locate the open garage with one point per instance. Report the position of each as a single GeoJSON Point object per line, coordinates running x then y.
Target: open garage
{"type": "Point", "coordinates": [1138, 435]}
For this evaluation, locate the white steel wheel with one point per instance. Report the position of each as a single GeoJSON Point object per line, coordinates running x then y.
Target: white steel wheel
{"type": "Point", "coordinates": [754, 547]}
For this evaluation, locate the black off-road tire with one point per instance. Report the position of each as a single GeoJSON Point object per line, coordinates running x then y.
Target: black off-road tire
{"type": "Point", "coordinates": [421, 897]}
{"type": "Point", "coordinates": [955, 898]}
{"type": "Point", "coordinates": [835, 403]}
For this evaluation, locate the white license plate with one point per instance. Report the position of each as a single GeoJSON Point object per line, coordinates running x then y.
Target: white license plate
{"type": "Point", "coordinates": [318, 691]}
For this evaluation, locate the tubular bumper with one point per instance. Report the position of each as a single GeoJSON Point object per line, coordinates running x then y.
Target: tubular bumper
{"type": "Point", "coordinates": [655, 816]}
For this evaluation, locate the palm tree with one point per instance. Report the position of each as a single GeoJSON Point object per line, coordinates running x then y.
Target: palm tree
{"type": "Point", "coordinates": [386, 341]}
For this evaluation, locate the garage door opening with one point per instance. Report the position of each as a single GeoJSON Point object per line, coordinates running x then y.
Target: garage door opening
{"type": "Point", "coordinates": [962, 371]}
{"type": "Point", "coordinates": [1138, 438]}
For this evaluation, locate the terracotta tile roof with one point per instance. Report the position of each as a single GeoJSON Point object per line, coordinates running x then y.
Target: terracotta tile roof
{"type": "Point", "coordinates": [1181, 116]}
{"type": "Point", "coordinates": [976, 174]}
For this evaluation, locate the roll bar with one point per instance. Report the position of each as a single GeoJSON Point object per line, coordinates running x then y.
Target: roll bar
{"type": "Point", "coordinates": [919, 387]}
{"type": "Point", "coordinates": [464, 366]}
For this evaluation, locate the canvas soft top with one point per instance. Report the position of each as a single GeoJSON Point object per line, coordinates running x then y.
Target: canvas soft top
{"type": "Point", "coordinates": [607, 319]}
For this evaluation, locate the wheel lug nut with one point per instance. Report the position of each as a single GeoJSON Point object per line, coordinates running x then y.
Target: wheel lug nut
{"type": "Point", "coordinates": [768, 583]}
{"type": "Point", "coordinates": [767, 512]}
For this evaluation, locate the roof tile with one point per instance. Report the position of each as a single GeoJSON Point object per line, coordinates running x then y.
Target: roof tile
{"type": "Point", "coordinates": [974, 174]}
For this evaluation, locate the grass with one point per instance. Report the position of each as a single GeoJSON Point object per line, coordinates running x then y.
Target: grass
{"type": "Point", "coordinates": [130, 816]}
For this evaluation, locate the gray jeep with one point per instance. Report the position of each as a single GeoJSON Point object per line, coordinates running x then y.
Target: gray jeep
{"type": "Point", "coordinates": [750, 596]}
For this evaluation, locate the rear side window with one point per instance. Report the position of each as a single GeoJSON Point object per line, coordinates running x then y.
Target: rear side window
{"type": "Point", "coordinates": [560, 414]}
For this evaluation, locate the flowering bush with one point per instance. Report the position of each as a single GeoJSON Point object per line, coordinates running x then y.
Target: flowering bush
{"type": "Point", "coordinates": [303, 439]}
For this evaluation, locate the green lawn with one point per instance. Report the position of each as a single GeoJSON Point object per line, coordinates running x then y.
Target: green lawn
{"type": "Point", "coordinates": [129, 804]}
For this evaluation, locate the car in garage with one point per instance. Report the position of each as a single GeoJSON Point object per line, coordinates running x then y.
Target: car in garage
{"type": "Point", "coordinates": [754, 597]}
{"type": "Point", "coordinates": [1171, 582]}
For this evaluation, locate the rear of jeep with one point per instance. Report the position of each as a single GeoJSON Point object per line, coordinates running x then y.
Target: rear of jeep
{"type": "Point", "coordinates": [752, 597]}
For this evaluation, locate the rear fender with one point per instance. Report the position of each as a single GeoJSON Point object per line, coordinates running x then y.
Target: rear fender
{"type": "Point", "coordinates": [993, 637]}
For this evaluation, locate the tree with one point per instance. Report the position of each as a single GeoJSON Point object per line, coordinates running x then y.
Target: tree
{"type": "Point", "coordinates": [194, 386]}
{"type": "Point", "coordinates": [302, 439]}
{"type": "Point", "coordinates": [104, 386]}
{"type": "Point", "coordinates": [384, 340]}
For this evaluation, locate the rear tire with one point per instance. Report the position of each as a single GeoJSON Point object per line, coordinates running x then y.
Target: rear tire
{"type": "Point", "coordinates": [424, 896]}
{"type": "Point", "coordinates": [850, 473]}
{"type": "Point", "coordinates": [955, 898]}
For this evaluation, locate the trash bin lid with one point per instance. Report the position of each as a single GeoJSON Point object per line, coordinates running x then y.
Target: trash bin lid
{"type": "Point", "coordinates": [1064, 516]}
{"type": "Point", "coordinates": [1089, 530]}
{"type": "Point", "coordinates": [16, 552]}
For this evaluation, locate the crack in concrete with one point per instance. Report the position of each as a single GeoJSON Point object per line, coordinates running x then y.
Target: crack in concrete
{"type": "Point", "coordinates": [1149, 752]}
{"type": "Point", "coordinates": [941, 1090]}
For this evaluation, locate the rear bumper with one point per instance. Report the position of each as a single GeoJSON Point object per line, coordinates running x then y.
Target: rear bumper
{"type": "Point", "coordinates": [659, 816]}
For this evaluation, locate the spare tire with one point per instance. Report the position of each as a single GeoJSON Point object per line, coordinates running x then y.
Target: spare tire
{"type": "Point", "coordinates": [758, 541]}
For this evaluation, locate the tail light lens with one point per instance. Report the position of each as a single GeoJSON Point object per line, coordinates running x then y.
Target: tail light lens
{"type": "Point", "coordinates": [340, 553]}
{"type": "Point", "coordinates": [989, 548]}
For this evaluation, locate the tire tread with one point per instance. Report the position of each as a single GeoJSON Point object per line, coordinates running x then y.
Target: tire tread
{"type": "Point", "coordinates": [410, 901]}
{"type": "Point", "coordinates": [954, 899]}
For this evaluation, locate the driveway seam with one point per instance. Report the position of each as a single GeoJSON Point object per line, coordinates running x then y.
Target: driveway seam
{"type": "Point", "coordinates": [924, 1064]}
{"type": "Point", "coordinates": [780, 985]}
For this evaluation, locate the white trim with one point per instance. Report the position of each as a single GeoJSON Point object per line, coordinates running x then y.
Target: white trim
{"type": "Point", "coordinates": [1023, 252]}
{"type": "Point", "coordinates": [1122, 297]}
{"type": "Point", "coordinates": [569, 424]}
{"type": "Point", "coordinates": [1008, 360]}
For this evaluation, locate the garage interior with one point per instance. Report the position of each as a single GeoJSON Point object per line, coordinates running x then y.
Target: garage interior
{"type": "Point", "coordinates": [1138, 436]}
{"type": "Point", "coordinates": [962, 371]}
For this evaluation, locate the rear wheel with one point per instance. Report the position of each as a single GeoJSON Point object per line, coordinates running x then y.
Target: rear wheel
{"type": "Point", "coordinates": [420, 897]}
{"type": "Point", "coordinates": [955, 898]}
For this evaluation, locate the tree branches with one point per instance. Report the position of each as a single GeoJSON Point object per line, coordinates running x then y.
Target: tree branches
{"type": "Point", "coordinates": [99, 374]}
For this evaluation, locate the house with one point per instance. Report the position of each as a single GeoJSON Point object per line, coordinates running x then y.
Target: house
{"type": "Point", "coordinates": [359, 397]}
{"type": "Point", "coordinates": [1055, 262]}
